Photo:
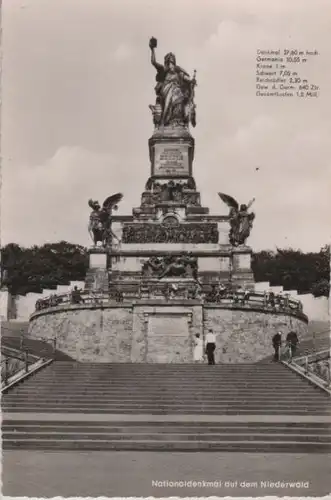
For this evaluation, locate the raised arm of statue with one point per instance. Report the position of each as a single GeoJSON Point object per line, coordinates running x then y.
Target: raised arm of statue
{"type": "Point", "coordinates": [152, 45]}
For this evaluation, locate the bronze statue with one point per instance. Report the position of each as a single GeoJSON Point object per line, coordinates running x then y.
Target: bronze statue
{"type": "Point", "coordinates": [177, 267]}
{"type": "Point", "coordinates": [185, 265]}
{"type": "Point", "coordinates": [241, 221]}
{"type": "Point", "coordinates": [174, 92]}
{"type": "Point", "coordinates": [101, 219]}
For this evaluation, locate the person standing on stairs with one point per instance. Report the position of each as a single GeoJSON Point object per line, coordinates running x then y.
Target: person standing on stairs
{"type": "Point", "coordinates": [198, 349]}
{"type": "Point", "coordinates": [277, 342]}
{"type": "Point", "coordinates": [210, 347]}
{"type": "Point", "coordinates": [292, 342]}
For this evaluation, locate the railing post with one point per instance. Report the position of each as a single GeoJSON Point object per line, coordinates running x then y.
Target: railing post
{"type": "Point", "coordinates": [21, 340]}
{"type": "Point", "coordinates": [329, 374]}
{"type": "Point", "coordinates": [26, 361]}
{"type": "Point", "coordinates": [6, 370]}
{"type": "Point", "coordinates": [306, 365]}
{"type": "Point", "coordinates": [54, 345]}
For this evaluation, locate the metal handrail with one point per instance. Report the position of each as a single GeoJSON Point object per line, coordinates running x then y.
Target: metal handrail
{"type": "Point", "coordinates": [312, 357]}
{"type": "Point", "coordinates": [10, 352]}
{"type": "Point", "coordinates": [304, 364]}
{"type": "Point", "coordinates": [6, 363]}
{"type": "Point", "coordinates": [26, 355]}
{"type": "Point", "coordinates": [279, 302]}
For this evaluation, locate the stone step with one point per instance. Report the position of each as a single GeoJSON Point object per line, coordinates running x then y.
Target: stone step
{"type": "Point", "coordinates": [143, 398]}
{"type": "Point", "coordinates": [216, 389]}
{"type": "Point", "coordinates": [158, 367]}
{"type": "Point", "coordinates": [195, 408]}
{"type": "Point", "coordinates": [208, 371]}
{"type": "Point", "coordinates": [147, 366]}
{"type": "Point", "coordinates": [106, 378]}
{"type": "Point", "coordinates": [218, 437]}
{"type": "Point", "coordinates": [166, 395]}
{"type": "Point", "coordinates": [219, 389]}
{"type": "Point", "coordinates": [175, 394]}
{"type": "Point", "coordinates": [217, 386]}
{"type": "Point", "coordinates": [165, 377]}
{"type": "Point", "coordinates": [205, 410]}
{"type": "Point", "coordinates": [155, 380]}
{"type": "Point", "coordinates": [149, 445]}
{"type": "Point", "coordinates": [219, 409]}
{"type": "Point", "coordinates": [167, 427]}
{"type": "Point", "coordinates": [161, 367]}
{"type": "Point", "coordinates": [116, 378]}
{"type": "Point", "coordinates": [181, 392]}
{"type": "Point", "coordinates": [165, 402]}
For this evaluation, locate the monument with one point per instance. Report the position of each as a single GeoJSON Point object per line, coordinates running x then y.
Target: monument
{"type": "Point", "coordinates": [171, 239]}
{"type": "Point", "coordinates": [160, 273]}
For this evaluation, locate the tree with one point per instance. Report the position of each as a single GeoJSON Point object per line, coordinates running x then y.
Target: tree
{"type": "Point", "coordinates": [36, 268]}
{"type": "Point", "coordinates": [294, 270]}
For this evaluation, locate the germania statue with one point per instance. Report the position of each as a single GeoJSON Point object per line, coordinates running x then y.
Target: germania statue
{"type": "Point", "coordinates": [241, 221]}
{"type": "Point", "coordinates": [174, 92]}
{"type": "Point", "coordinates": [101, 220]}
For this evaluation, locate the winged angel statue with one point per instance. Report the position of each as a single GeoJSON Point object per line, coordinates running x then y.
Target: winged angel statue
{"type": "Point", "coordinates": [241, 221]}
{"type": "Point", "coordinates": [101, 218]}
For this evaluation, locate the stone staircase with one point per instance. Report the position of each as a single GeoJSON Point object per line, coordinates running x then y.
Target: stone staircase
{"type": "Point", "coordinates": [321, 342]}
{"type": "Point", "coordinates": [35, 347]}
{"type": "Point", "coordinates": [101, 406]}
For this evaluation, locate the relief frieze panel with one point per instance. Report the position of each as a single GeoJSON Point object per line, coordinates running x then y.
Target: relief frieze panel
{"type": "Point", "coordinates": [181, 233]}
{"type": "Point", "coordinates": [175, 192]}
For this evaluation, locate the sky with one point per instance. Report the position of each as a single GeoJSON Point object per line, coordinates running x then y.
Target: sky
{"type": "Point", "coordinates": [76, 85]}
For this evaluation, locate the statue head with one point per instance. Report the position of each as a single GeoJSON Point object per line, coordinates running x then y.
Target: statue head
{"type": "Point", "coordinates": [170, 59]}
{"type": "Point", "coordinates": [243, 208]}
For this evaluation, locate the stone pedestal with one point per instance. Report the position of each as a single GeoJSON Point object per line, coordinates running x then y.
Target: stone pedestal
{"type": "Point", "coordinates": [98, 260]}
{"type": "Point", "coordinates": [97, 277]}
{"type": "Point", "coordinates": [171, 153]}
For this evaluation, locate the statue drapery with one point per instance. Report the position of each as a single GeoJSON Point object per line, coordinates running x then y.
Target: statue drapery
{"type": "Point", "coordinates": [174, 92]}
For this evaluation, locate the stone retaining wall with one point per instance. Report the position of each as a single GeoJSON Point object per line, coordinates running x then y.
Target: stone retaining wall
{"type": "Point", "coordinates": [86, 334]}
{"type": "Point", "coordinates": [245, 336]}
{"type": "Point", "coordinates": [126, 332]}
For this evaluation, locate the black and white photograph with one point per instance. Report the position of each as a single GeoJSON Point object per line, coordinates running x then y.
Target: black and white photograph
{"type": "Point", "coordinates": [165, 248]}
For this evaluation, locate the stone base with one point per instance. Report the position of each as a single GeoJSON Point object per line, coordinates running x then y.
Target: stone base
{"type": "Point", "coordinates": [171, 152]}
{"type": "Point", "coordinates": [97, 275]}
{"type": "Point", "coordinates": [156, 331]}
{"type": "Point", "coordinates": [98, 260]}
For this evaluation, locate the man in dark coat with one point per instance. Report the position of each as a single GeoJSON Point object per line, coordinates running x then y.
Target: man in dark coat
{"type": "Point", "coordinates": [277, 342]}
{"type": "Point", "coordinates": [292, 341]}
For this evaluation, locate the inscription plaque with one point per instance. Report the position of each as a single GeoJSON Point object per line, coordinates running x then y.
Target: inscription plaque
{"type": "Point", "coordinates": [171, 159]}
{"type": "Point", "coordinates": [168, 339]}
